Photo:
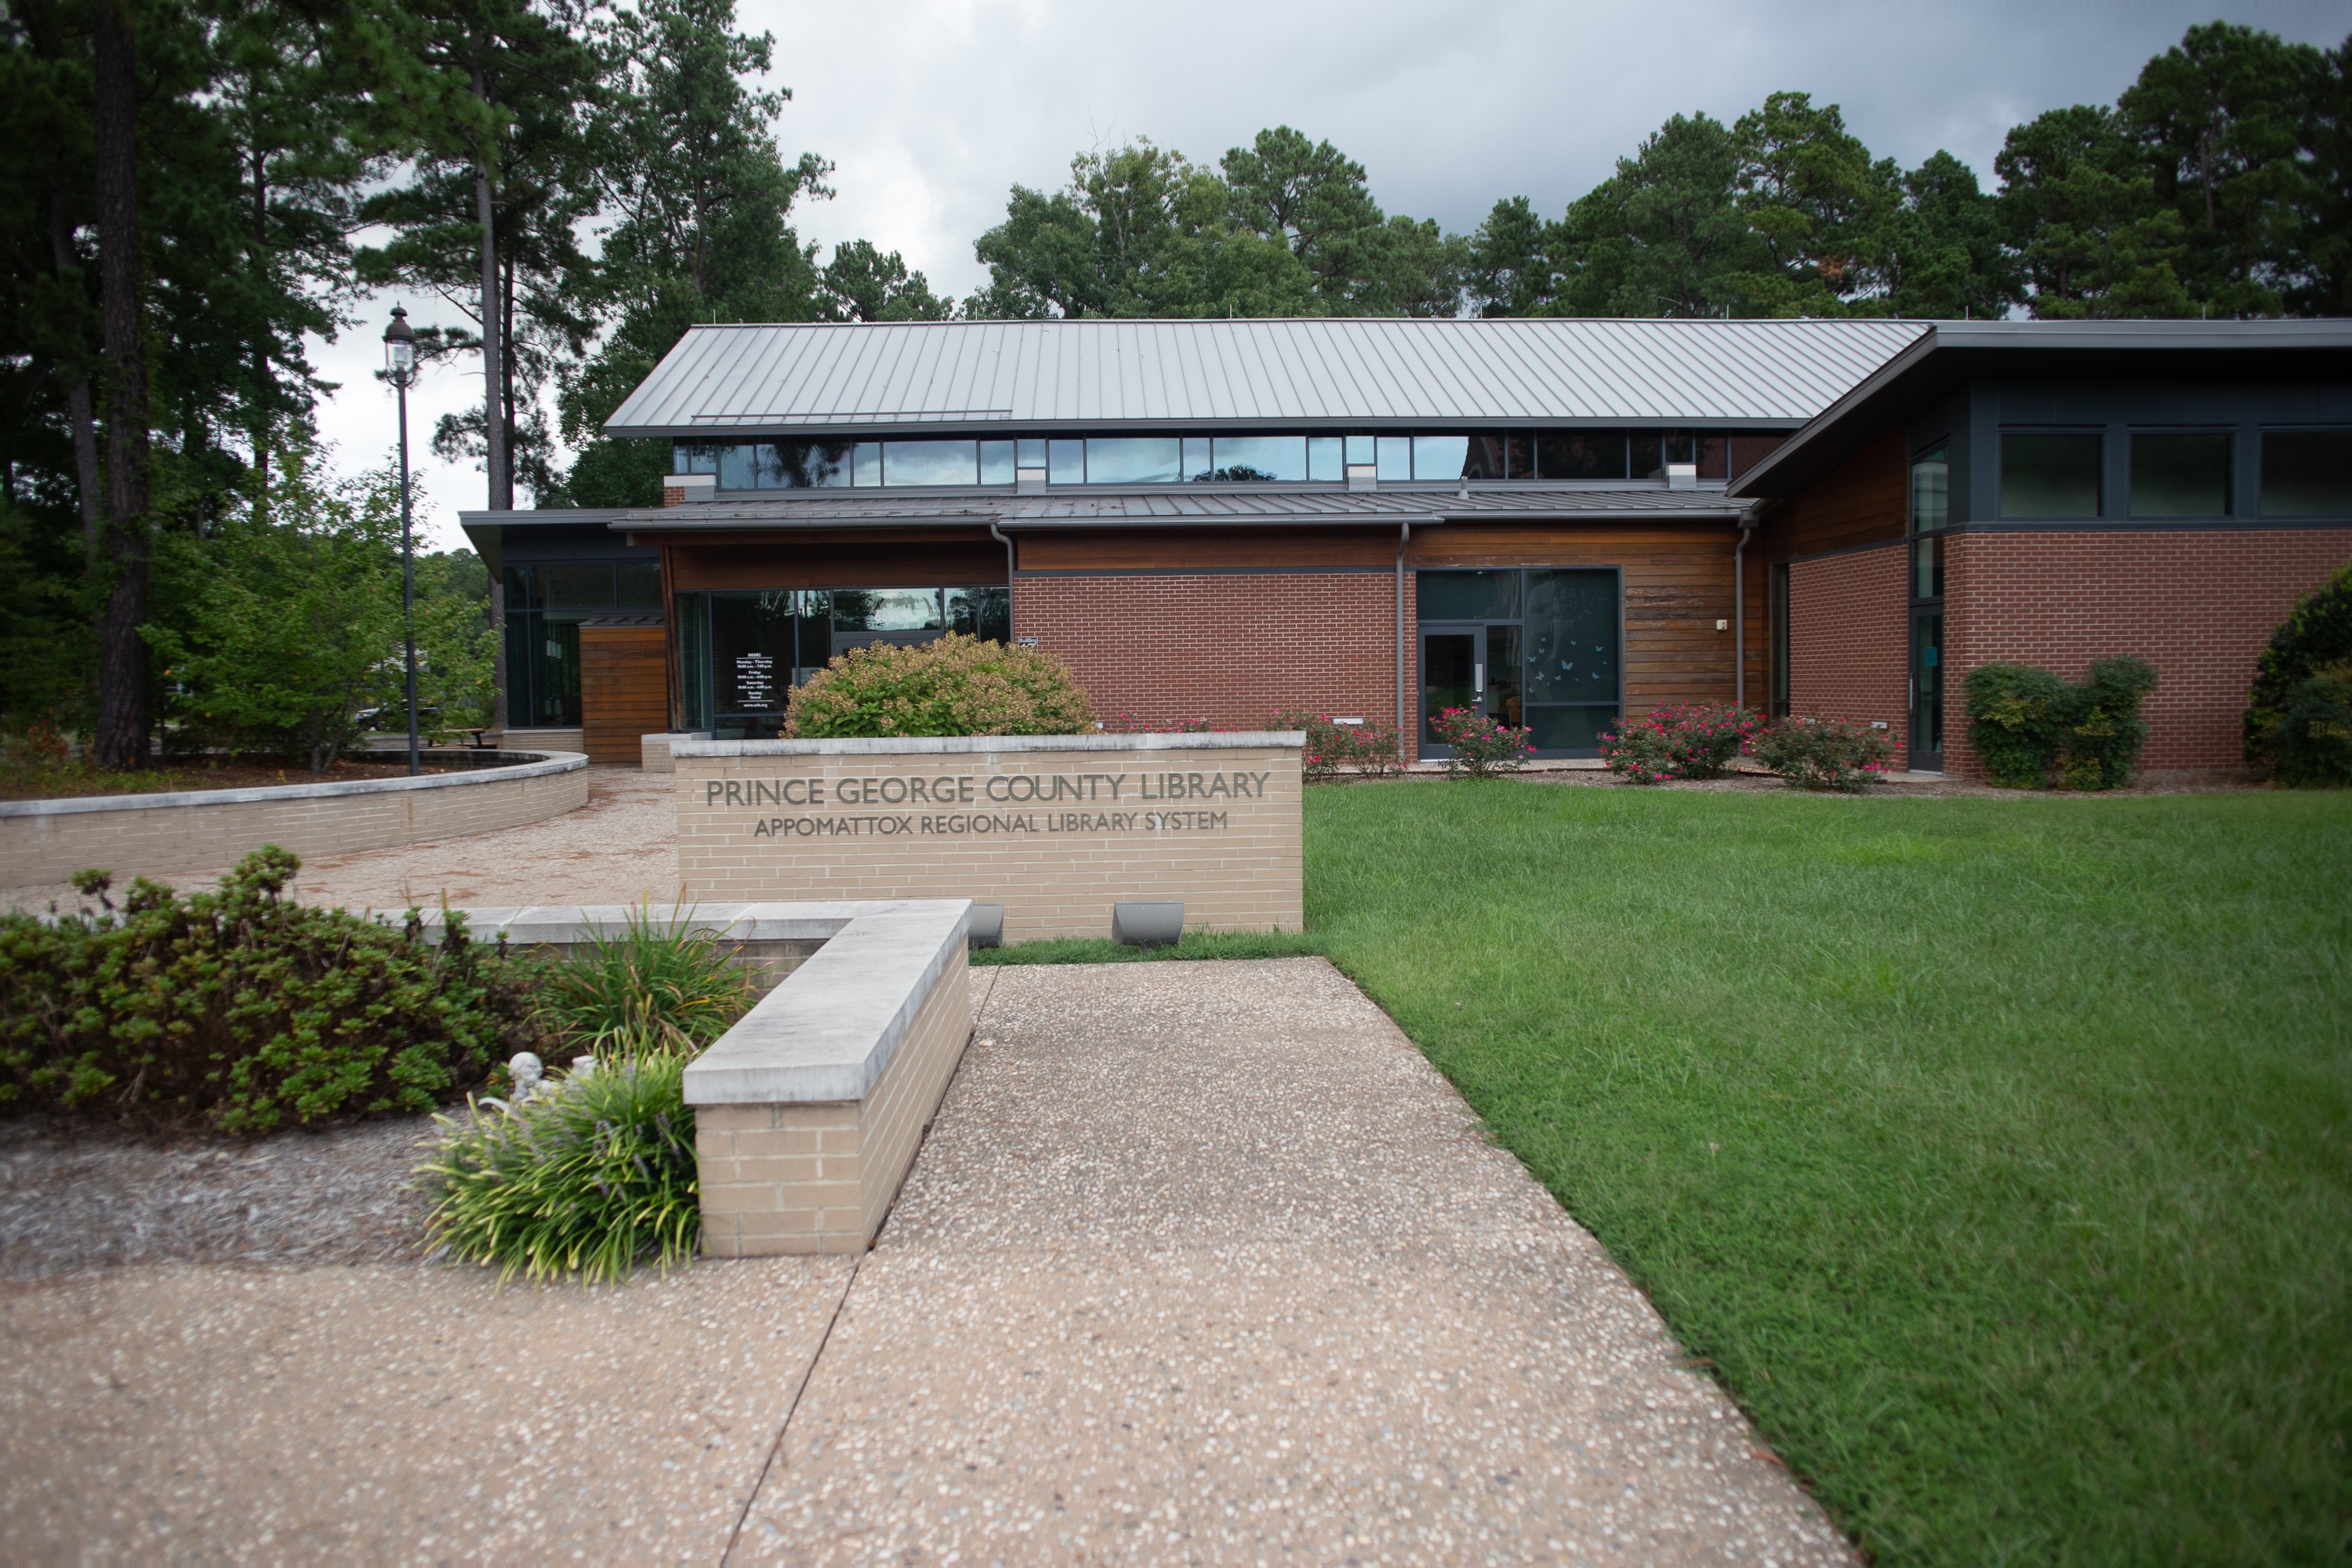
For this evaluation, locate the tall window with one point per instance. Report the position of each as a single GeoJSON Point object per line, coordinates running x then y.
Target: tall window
{"type": "Point", "coordinates": [2050, 476]}
{"type": "Point", "coordinates": [2179, 474]}
{"type": "Point", "coordinates": [2308, 473]}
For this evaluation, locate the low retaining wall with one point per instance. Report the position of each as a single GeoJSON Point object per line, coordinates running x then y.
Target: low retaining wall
{"type": "Point", "coordinates": [809, 1112]}
{"type": "Point", "coordinates": [1056, 828]}
{"type": "Point", "coordinates": [193, 832]}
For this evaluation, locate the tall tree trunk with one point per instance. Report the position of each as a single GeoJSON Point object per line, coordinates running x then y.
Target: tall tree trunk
{"type": "Point", "coordinates": [123, 652]}
{"type": "Point", "coordinates": [78, 412]}
{"type": "Point", "coordinates": [261, 382]}
{"type": "Point", "coordinates": [506, 366]}
{"type": "Point", "coordinates": [494, 425]}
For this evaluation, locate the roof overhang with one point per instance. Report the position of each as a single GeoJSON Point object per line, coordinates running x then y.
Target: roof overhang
{"type": "Point", "coordinates": [1953, 354]}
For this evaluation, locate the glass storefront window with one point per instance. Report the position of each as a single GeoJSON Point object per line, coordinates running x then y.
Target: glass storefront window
{"type": "Point", "coordinates": [983, 613]}
{"type": "Point", "coordinates": [637, 586]}
{"type": "Point", "coordinates": [1582, 454]}
{"type": "Point", "coordinates": [2308, 473]}
{"type": "Point", "coordinates": [753, 645]}
{"type": "Point", "coordinates": [1440, 457]}
{"type": "Point", "coordinates": [2179, 475]}
{"type": "Point", "coordinates": [2050, 476]}
{"type": "Point", "coordinates": [1468, 595]}
{"type": "Point", "coordinates": [1325, 459]}
{"type": "Point", "coordinates": [694, 658]}
{"type": "Point", "coordinates": [1931, 490]}
{"type": "Point", "coordinates": [1571, 631]}
{"type": "Point", "coordinates": [1248, 459]}
{"type": "Point", "coordinates": [886, 610]}
{"type": "Point", "coordinates": [930, 462]}
{"type": "Point", "coordinates": [575, 589]}
{"type": "Point", "coordinates": [1133, 459]}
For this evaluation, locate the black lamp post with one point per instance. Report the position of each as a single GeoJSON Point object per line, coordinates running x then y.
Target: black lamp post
{"type": "Point", "coordinates": [400, 365]}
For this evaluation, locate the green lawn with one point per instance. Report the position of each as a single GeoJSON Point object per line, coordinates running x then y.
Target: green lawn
{"type": "Point", "coordinates": [1996, 1153]}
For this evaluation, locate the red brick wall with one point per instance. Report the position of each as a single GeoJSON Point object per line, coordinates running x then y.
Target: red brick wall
{"type": "Point", "coordinates": [2199, 606]}
{"type": "Point", "coordinates": [1235, 649]}
{"type": "Point", "coordinates": [1848, 641]}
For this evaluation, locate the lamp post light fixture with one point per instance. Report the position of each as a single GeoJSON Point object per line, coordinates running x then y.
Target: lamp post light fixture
{"type": "Point", "coordinates": [400, 365]}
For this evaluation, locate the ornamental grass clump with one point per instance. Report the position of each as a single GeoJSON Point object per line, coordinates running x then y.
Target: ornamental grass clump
{"type": "Point", "coordinates": [667, 986]}
{"type": "Point", "coordinates": [957, 685]}
{"type": "Point", "coordinates": [1685, 741]}
{"type": "Point", "coordinates": [592, 1176]}
{"type": "Point", "coordinates": [1483, 746]}
{"type": "Point", "coordinates": [1823, 753]}
{"type": "Point", "coordinates": [245, 1010]}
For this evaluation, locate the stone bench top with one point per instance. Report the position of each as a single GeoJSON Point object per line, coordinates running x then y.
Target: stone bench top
{"type": "Point", "coordinates": [972, 745]}
{"type": "Point", "coordinates": [830, 1029]}
{"type": "Point", "coordinates": [526, 765]}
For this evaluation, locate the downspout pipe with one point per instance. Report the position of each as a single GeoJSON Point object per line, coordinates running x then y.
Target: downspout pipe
{"type": "Point", "coordinates": [1405, 537]}
{"type": "Point", "coordinates": [1740, 614]}
{"type": "Point", "coordinates": [1005, 540]}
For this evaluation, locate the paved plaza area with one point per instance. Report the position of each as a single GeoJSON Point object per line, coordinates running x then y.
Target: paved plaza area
{"type": "Point", "coordinates": [1200, 1263]}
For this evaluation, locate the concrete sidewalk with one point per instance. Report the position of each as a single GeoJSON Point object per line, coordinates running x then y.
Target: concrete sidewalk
{"type": "Point", "coordinates": [1200, 1263]}
{"type": "Point", "coordinates": [1203, 1262]}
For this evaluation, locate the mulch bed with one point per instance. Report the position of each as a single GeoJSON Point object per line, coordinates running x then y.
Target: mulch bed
{"type": "Point", "coordinates": [74, 1196]}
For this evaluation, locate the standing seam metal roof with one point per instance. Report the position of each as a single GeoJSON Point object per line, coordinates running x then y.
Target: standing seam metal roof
{"type": "Point", "coordinates": [1373, 371]}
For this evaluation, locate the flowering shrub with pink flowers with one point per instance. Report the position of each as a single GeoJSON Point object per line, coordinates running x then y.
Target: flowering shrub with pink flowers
{"type": "Point", "coordinates": [1823, 754]}
{"type": "Point", "coordinates": [1685, 741]}
{"type": "Point", "coordinates": [1365, 747]}
{"type": "Point", "coordinates": [1483, 745]}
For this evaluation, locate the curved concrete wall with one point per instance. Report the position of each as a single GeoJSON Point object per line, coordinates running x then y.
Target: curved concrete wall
{"type": "Point", "coordinates": [198, 831]}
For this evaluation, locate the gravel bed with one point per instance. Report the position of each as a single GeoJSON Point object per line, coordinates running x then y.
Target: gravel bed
{"type": "Point", "coordinates": [74, 1198]}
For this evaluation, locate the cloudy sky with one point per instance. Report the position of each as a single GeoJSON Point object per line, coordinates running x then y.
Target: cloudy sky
{"type": "Point", "coordinates": [931, 109]}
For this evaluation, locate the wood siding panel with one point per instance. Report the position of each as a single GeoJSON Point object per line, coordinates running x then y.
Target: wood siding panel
{"type": "Point", "coordinates": [1864, 501]}
{"type": "Point", "coordinates": [624, 690]}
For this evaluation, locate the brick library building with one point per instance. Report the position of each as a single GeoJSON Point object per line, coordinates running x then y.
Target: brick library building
{"type": "Point", "coordinates": [1562, 522]}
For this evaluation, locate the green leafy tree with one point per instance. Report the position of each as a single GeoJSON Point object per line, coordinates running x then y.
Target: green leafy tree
{"type": "Point", "coordinates": [291, 626]}
{"type": "Point", "coordinates": [1943, 255]}
{"type": "Point", "coordinates": [864, 284]}
{"type": "Point", "coordinates": [1819, 208]}
{"type": "Point", "coordinates": [2223, 123]}
{"type": "Point", "coordinates": [496, 98]}
{"type": "Point", "coordinates": [1508, 266]}
{"type": "Point", "coordinates": [1663, 236]}
{"type": "Point", "coordinates": [2323, 241]}
{"type": "Point", "coordinates": [703, 231]}
{"type": "Point", "coordinates": [2079, 211]}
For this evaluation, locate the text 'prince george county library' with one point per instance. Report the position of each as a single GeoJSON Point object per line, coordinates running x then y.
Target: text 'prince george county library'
{"type": "Point", "coordinates": [1559, 521]}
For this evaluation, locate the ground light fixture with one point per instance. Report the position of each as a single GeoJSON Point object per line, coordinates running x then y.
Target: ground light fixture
{"type": "Point", "coordinates": [400, 366]}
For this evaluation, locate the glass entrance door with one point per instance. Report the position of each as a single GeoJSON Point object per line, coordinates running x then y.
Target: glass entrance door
{"type": "Point", "coordinates": [1926, 748]}
{"type": "Point", "coordinates": [1452, 675]}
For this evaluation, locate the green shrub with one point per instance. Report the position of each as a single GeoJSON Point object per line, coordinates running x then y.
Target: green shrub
{"type": "Point", "coordinates": [1368, 749]}
{"type": "Point", "coordinates": [246, 1009]}
{"type": "Point", "coordinates": [2314, 737]}
{"type": "Point", "coordinates": [2017, 722]}
{"type": "Point", "coordinates": [957, 685]}
{"type": "Point", "coordinates": [2105, 733]}
{"type": "Point", "coordinates": [592, 1176]}
{"type": "Point", "coordinates": [2315, 637]}
{"type": "Point", "coordinates": [648, 986]}
{"type": "Point", "coordinates": [1687, 741]}
{"type": "Point", "coordinates": [2030, 729]}
{"type": "Point", "coordinates": [1483, 746]}
{"type": "Point", "coordinates": [1823, 753]}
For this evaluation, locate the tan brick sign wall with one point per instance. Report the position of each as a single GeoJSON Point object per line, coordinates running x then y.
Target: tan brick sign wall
{"type": "Point", "coordinates": [199, 832]}
{"type": "Point", "coordinates": [1057, 829]}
